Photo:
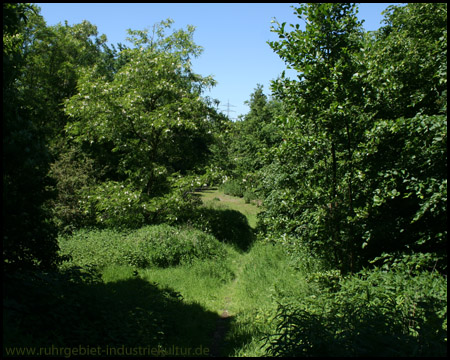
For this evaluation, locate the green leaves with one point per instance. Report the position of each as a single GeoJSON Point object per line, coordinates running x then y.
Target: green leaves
{"type": "Point", "coordinates": [28, 236]}
{"type": "Point", "coordinates": [407, 59]}
{"type": "Point", "coordinates": [151, 112]}
{"type": "Point", "coordinates": [405, 177]}
{"type": "Point", "coordinates": [378, 312]}
{"type": "Point", "coordinates": [319, 128]}
{"type": "Point", "coordinates": [113, 205]}
{"type": "Point", "coordinates": [363, 155]}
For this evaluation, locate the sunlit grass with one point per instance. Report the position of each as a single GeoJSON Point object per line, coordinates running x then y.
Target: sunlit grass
{"type": "Point", "coordinates": [202, 282]}
{"type": "Point", "coordinates": [244, 283]}
{"type": "Point", "coordinates": [216, 198]}
{"type": "Point", "coordinates": [265, 276]}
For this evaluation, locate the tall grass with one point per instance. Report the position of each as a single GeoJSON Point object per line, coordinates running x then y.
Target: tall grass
{"type": "Point", "coordinates": [204, 272]}
{"type": "Point", "coordinates": [166, 285]}
{"type": "Point", "coordinates": [158, 245]}
{"type": "Point", "coordinates": [249, 286]}
{"type": "Point", "coordinates": [266, 275]}
{"type": "Point", "coordinates": [200, 282]}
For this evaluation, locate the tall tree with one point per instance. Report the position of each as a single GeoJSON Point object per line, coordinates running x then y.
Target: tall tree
{"type": "Point", "coordinates": [362, 169]}
{"type": "Point", "coordinates": [55, 55]}
{"type": "Point", "coordinates": [402, 158]}
{"type": "Point", "coordinates": [29, 238]}
{"type": "Point", "coordinates": [319, 137]}
{"type": "Point", "coordinates": [151, 113]}
{"type": "Point", "coordinates": [255, 133]}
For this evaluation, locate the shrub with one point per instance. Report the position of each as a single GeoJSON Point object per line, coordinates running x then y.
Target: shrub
{"type": "Point", "coordinates": [234, 187]}
{"type": "Point", "coordinates": [165, 245]}
{"type": "Point", "coordinates": [249, 195]}
{"type": "Point", "coordinates": [121, 205]}
{"type": "Point", "coordinates": [226, 225]}
{"type": "Point", "coordinates": [390, 311]}
{"type": "Point", "coordinates": [72, 173]}
{"type": "Point", "coordinates": [157, 245]}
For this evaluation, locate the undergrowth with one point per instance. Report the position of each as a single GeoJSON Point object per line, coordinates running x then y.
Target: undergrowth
{"type": "Point", "coordinates": [387, 311]}
{"type": "Point", "coordinates": [157, 245]}
{"type": "Point", "coordinates": [166, 286]}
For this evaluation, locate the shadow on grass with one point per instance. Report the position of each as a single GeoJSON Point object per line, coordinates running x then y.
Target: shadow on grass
{"type": "Point", "coordinates": [76, 309]}
{"type": "Point", "coordinates": [229, 226]}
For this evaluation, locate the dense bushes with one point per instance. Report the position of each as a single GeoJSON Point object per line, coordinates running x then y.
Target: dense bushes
{"type": "Point", "coordinates": [72, 174]}
{"type": "Point", "coordinates": [234, 187]}
{"type": "Point", "coordinates": [396, 310]}
{"type": "Point", "coordinates": [158, 245]}
{"type": "Point", "coordinates": [401, 204]}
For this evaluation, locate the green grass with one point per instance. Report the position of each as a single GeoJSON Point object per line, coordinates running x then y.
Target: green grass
{"type": "Point", "coordinates": [217, 199]}
{"type": "Point", "coordinates": [201, 282]}
{"type": "Point", "coordinates": [181, 277]}
{"type": "Point", "coordinates": [265, 276]}
{"type": "Point", "coordinates": [201, 277]}
{"type": "Point", "coordinates": [169, 286]}
{"type": "Point", "coordinates": [212, 276]}
{"type": "Point", "coordinates": [246, 285]}
{"type": "Point", "coordinates": [156, 245]}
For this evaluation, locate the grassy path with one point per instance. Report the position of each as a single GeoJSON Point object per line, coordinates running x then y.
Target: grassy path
{"type": "Point", "coordinates": [235, 292]}
{"type": "Point", "coordinates": [227, 310]}
{"type": "Point", "coordinates": [224, 303]}
{"type": "Point", "coordinates": [216, 198]}
{"type": "Point", "coordinates": [231, 292]}
{"type": "Point", "coordinates": [212, 285]}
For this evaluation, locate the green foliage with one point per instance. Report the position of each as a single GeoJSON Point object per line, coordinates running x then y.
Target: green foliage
{"type": "Point", "coordinates": [309, 183]}
{"type": "Point", "coordinates": [169, 246]}
{"type": "Point", "coordinates": [403, 181]}
{"type": "Point", "coordinates": [255, 133]}
{"type": "Point", "coordinates": [362, 165]}
{"type": "Point", "coordinates": [151, 112]}
{"type": "Point", "coordinates": [29, 238]}
{"type": "Point", "coordinates": [252, 136]}
{"type": "Point", "coordinates": [150, 130]}
{"type": "Point", "coordinates": [234, 187]}
{"type": "Point", "coordinates": [407, 62]}
{"type": "Point", "coordinates": [73, 173]}
{"type": "Point", "coordinates": [113, 204]}
{"type": "Point", "coordinates": [157, 245]}
{"type": "Point", "coordinates": [250, 195]}
{"type": "Point", "coordinates": [379, 312]}
{"type": "Point", "coordinates": [214, 175]}
{"type": "Point", "coordinates": [54, 57]}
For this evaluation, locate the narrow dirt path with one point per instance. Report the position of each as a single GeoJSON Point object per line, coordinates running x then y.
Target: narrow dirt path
{"type": "Point", "coordinates": [222, 326]}
{"type": "Point", "coordinates": [229, 308]}
{"type": "Point", "coordinates": [227, 312]}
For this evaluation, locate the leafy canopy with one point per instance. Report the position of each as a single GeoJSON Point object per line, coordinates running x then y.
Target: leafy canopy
{"type": "Point", "coordinates": [149, 109]}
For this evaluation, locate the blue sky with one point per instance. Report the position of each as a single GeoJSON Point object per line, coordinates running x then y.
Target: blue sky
{"type": "Point", "coordinates": [233, 36]}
